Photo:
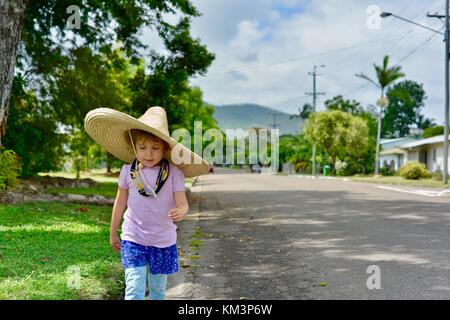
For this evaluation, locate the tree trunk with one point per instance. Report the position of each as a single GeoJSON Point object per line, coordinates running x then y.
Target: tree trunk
{"type": "Point", "coordinates": [333, 168]}
{"type": "Point", "coordinates": [12, 14]}
{"type": "Point", "coordinates": [109, 160]}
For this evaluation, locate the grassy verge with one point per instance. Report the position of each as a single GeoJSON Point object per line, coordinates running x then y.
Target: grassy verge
{"type": "Point", "coordinates": [106, 189]}
{"type": "Point", "coordinates": [40, 241]}
{"type": "Point", "coordinates": [107, 186]}
{"type": "Point", "coordinates": [97, 175]}
{"type": "Point", "coordinates": [397, 180]}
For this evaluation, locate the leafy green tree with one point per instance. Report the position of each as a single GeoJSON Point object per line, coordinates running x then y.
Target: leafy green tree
{"type": "Point", "coordinates": [385, 77]}
{"type": "Point", "coordinates": [33, 132]}
{"type": "Point", "coordinates": [75, 89]}
{"type": "Point", "coordinates": [296, 149]}
{"type": "Point", "coordinates": [37, 33]}
{"type": "Point", "coordinates": [406, 100]}
{"type": "Point", "coordinates": [303, 114]}
{"type": "Point", "coordinates": [339, 103]}
{"type": "Point", "coordinates": [369, 116]}
{"type": "Point", "coordinates": [433, 131]}
{"type": "Point", "coordinates": [167, 80]}
{"type": "Point", "coordinates": [338, 134]}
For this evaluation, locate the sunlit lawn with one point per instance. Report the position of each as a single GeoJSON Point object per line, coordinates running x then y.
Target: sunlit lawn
{"type": "Point", "coordinates": [107, 186]}
{"type": "Point", "coordinates": [106, 189]}
{"type": "Point", "coordinates": [425, 183]}
{"type": "Point", "coordinates": [40, 241]}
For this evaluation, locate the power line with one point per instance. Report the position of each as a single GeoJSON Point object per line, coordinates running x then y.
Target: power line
{"type": "Point", "coordinates": [364, 44]}
{"type": "Point", "coordinates": [423, 45]}
{"type": "Point", "coordinates": [417, 49]}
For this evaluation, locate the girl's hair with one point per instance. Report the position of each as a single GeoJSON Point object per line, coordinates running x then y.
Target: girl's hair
{"type": "Point", "coordinates": [138, 135]}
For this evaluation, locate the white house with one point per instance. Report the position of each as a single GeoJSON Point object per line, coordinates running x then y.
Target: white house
{"type": "Point", "coordinates": [391, 154]}
{"type": "Point", "coordinates": [429, 151]}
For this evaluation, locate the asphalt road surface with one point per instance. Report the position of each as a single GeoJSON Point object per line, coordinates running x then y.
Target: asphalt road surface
{"type": "Point", "coordinates": [285, 237]}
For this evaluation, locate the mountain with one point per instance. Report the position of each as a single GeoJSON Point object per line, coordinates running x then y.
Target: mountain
{"type": "Point", "coordinates": [247, 116]}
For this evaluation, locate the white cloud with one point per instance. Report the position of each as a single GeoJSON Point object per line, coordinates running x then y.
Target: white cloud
{"type": "Point", "coordinates": [265, 49]}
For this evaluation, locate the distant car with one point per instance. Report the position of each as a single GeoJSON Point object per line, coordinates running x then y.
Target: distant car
{"type": "Point", "coordinates": [256, 168]}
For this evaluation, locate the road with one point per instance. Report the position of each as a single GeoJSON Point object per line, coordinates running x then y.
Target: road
{"type": "Point", "coordinates": [285, 237]}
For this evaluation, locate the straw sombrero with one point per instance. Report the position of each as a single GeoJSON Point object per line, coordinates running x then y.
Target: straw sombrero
{"type": "Point", "coordinates": [109, 128]}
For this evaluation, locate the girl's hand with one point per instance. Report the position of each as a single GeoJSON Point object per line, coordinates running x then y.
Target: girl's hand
{"type": "Point", "coordinates": [114, 241]}
{"type": "Point", "coordinates": [176, 214]}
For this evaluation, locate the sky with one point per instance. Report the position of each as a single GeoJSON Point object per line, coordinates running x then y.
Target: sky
{"type": "Point", "coordinates": [264, 50]}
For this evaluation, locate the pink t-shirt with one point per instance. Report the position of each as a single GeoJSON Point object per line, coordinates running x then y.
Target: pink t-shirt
{"type": "Point", "coordinates": [146, 220]}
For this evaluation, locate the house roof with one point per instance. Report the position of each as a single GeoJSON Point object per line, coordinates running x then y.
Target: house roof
{"type": "Point", "coordinates": [389, 144]}
{"type": "Point", "coordinates": [432, 140]}
{"type": "Point", "coordinates": [384, 141]}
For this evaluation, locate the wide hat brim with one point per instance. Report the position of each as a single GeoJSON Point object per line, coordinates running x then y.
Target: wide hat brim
{"type": "Point", "coordinates": [109, 128]}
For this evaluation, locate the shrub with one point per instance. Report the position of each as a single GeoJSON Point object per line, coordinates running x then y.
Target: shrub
{"type": "Point", "coordinates": [414, 170]}
{"type": "Point", "coordinates": [386, 171]}
{"type": "Point", "coordinates": [10, 169]}
{"type": "Point", "coordinates": [437, 175]}
{"type": "Point", "coordinates": [347, 168]}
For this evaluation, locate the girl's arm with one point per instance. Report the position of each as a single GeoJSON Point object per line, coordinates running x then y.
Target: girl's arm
{"type": "Point", "coordinates": [120, 204]}
{"type": "Point", "coordinates": [182, 207]}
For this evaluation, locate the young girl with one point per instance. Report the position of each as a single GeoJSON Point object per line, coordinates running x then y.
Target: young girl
{"type": "Point", "coordinates": [152, 191]}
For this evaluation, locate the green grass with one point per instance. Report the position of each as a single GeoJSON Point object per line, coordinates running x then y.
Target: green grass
{"type": "Point", "coordinates": [107, 189]}
{"type": "Point", "coordinates": [40, 241]}
{"type": "Point", "coordinates": [97, 175]}
{"type": "Point", "coordinates": [106, 186]}
{"type": "Point", "coordinates": [397, 180]}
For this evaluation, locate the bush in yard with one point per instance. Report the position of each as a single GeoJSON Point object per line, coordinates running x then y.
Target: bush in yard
{"type": "Point", "coordinates": [437, 175]}
{"type": "Point", "coordinates": [10, 169]}
{"type": "Point", "coordinates": [386, 171]}
{"type": "Point", "coordinates": [414, 170]}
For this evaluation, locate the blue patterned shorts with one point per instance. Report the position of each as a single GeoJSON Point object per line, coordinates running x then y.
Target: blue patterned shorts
{"type": "Point", "coordinates": [160, 260]}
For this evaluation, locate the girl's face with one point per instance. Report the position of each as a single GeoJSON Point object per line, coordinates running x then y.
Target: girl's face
{"type": "Point", "coordinates": [149, 152]}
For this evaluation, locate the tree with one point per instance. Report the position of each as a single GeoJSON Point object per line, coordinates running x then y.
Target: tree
{"type": "Point", "coordinates": [369, 116]}
{"type": "Point", "coordinates": [42, 27]}
{"type": "Point", "coordinates": [385, 77]}
{"type": "Point", "coordinates": [303, 114]}
{"type": "Point", "coordinates": [339, 103]}
{"type": "Point", "coordinates": [296, 149]}
{"type": "Point", "coordinates": [167, 80]}
{"type": "Point", "coordinates": [33, 133]}
{"type": "Point", "coordinates": [406, 99]}
{"type": "Point", "coordinates": [11, 22]}
{"type": "Point", "coordinates": [433, 131]}
{"type": "Point", "coordinates": [75, 88]}
{"type": "Point", "coordinates": [338, 134]}
{"type": "Point", "coordinates": [87, 81]}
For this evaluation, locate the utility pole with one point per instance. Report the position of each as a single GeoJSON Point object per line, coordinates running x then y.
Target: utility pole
{"type": "Point", "coordinates": [314, 94]}
{"type": "Point", "coordinates": [274, 125]}
{"type": "Point", "coordinates": [447, 57]}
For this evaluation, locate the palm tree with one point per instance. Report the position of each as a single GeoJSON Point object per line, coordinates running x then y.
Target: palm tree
{"type": "Point", "coordinates": [385, 77]}
{"type": "Point", "coordinates": [303, 114]}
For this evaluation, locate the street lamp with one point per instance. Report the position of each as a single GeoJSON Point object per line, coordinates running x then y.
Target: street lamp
{"type": "Point", "coordinates": [388, 14]}
{"type": "Point", "coordinates": [447, 56]}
